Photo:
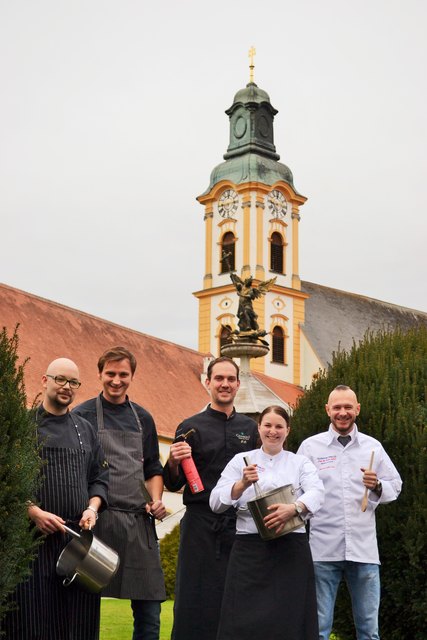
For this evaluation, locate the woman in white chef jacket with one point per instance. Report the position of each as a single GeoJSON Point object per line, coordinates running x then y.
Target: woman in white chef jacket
{"type": "Point", "coordinates": [269, 591]}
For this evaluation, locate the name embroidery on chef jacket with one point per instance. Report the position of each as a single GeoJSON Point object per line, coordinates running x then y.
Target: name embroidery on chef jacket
{"type": "Point", "coordinates": [243, 437]}
{"type": "Point", "coordinates": [326, 462]}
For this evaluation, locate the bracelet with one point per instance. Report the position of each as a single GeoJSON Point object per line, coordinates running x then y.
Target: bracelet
{"type": "Point", "coordinates": [94, 511]}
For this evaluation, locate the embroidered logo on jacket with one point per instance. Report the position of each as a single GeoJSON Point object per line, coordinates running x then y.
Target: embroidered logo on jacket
{"type": "Point", "coordinates": [243, 437]}
{"type": "Point", "coordinates": [326, 462]}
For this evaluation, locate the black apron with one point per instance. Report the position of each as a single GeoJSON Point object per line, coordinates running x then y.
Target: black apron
{"type": "Point", "coordinates": [125, 525]}
{"type": "Point", "coordinates": [48, 610]}
{"type": "Point", "coordinates": [270, 590]}
{"type": "Point", "coordinates": [206, 542]}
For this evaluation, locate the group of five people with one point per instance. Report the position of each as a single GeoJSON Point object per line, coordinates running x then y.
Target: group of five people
{"type": "Point", "coordinates": [230, 583]}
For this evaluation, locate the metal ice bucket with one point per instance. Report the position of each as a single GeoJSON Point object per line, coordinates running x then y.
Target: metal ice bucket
{"type": "Point", "coordinates": [258, 507]}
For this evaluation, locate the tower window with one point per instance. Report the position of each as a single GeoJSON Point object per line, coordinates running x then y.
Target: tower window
{"type": "Point", "coordinates": [276, 257]}
{"type": "Point", "coordinates": [228, 248]}
{"type": "Point", "coordinates": [224, 337]}
{"type": "Point", "coordinates": [278, 346]}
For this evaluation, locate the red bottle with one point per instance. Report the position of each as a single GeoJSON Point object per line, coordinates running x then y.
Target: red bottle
{"type": "Point", "coordinates": [194, 481]}
{"type": "Point", "coordinates": [190, 470]}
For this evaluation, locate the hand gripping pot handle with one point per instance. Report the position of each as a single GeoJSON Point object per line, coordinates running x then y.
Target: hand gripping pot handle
{"type": "Point", "coordinates": [87, 562]}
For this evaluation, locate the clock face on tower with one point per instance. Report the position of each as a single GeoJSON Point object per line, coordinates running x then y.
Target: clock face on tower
{"type": "Point", "coordinates": [227, 203]}
{"type": "Point", "coordinates": [277, 203]}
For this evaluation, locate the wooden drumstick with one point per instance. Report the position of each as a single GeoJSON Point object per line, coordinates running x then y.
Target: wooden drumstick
{"type": "Point", "coordinates": [365, 496]}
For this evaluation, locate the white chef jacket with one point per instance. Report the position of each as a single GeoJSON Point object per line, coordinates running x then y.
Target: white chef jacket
{"type": "Point", "coordinates": [340, 530]}
{"type": "Point", "coordinates": [273, 472]}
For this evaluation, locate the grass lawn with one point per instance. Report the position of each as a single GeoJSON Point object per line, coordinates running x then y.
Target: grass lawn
{"type": "Point", "coordinates": [117, 621]}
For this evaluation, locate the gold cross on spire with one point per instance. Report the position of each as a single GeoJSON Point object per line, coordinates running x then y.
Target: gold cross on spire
{"type": "Point", "coordinates": [251, 54]}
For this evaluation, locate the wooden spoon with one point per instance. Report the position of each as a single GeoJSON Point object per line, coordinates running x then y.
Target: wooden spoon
{"type": "Point", "coordinates": [365, 496]}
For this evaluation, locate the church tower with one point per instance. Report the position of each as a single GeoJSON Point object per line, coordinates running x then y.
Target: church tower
{"type": "Point", "coordinates": [251, 213]}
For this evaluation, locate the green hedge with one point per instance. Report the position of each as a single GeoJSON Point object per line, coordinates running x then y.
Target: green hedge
{"type": "Point", "coordinates": [169, 555]}
{"type": "Point", "coordinates": [388, 371]}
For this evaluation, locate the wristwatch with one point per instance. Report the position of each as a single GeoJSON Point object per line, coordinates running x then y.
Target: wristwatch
{"type": "Point", "coordinates": [378, 488]}
{"type": "Point", "coordinates": [298, 509]}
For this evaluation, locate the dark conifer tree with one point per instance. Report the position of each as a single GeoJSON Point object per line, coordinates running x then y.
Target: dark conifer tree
{"type": "Point", "coordinates": [19, 470]}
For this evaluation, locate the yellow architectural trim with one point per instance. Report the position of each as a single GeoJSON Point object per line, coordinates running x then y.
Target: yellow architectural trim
{"type": "Point", "coordinates": [260, 269]}
{"type": "Point", "coordinates": [299, 315]}
{"type": "Point", "coordinates": [275, 225]}
{"type": "Point", "coordinates": [205, 324]}
{"type": "Point", "coordinates": [216, 191]}
{"type": "Point", "coordinates": [291, 195]}
{"type": "Point", "coordinates": [275, 288]}
{"type": "Point", "coordinates": [227, 221]}
{"type": "Point", "coordinates": [246, 267]}
{"type": "Point", "coordinates": [258, 364]}
{"type": "Point", "coordinates": [208, 250]}
{"type": "Point", "coordinates": [296, 282]}
{"type": "Point", "coordinates": [295, 198]}
{"type": "Point", "coordinates": [232, 229]}
{"type": "Point", "coordinates": [227, 318]}
{"type": "Point", "coordinates": [279, 320]}
{"type": "Point", "coordinates": [281, 232]}
{"type": "Point", "coordinates": [224, 319]}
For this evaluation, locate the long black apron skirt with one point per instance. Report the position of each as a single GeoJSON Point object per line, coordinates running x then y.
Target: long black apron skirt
{"type": "Point", "coordinates": [125, 526]}
{"type": "Point", "coordinates": [46, 609]}
{"type": "Point", "coordinates": [205, 545]}
{"type": "Point", "coordinates": [270, 590]}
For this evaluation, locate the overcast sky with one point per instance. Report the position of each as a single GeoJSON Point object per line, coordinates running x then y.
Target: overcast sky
{"type": "Point", "coordinates": [112, 118]}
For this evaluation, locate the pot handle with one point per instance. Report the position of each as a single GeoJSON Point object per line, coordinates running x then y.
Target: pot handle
{"type": "Point", "coordinates": [71, 532]}
{"type": "Point", "coordinates": [258, 491]}
{"type": "Point", "coordinates": [67, 581]}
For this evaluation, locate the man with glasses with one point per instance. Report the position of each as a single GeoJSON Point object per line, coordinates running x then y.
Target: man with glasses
{"type": "Point", "coordinates": [73, 490]}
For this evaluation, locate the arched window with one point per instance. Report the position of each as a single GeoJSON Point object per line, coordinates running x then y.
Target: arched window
{"type": "Point", "coordinates": [224, 336]}
{"type": "Point", "coordinates": [276, 256]}
{"type": "Point", "coordinates": [228, 248]}
{"type": "Point", "coordinates": [278, 346]}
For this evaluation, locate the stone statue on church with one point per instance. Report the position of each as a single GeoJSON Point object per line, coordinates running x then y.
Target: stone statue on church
{"type": "Point", "coordinates": [247, 293]}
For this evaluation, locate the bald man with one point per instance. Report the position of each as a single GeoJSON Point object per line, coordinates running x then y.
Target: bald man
{"type": "Point", "coordinates": [343, 538]}
{"type": "Point", "coordinates": [74, 489]}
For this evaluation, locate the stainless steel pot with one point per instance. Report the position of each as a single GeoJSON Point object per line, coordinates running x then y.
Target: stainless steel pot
{"type": "Point", "coordinates": [259, 509]}
{"type": "Point", "coordinates": [87, 561]}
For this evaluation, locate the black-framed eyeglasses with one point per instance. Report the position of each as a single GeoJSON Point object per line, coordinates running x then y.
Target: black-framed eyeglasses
{"type": "Point", "coordinates": [61, 381]}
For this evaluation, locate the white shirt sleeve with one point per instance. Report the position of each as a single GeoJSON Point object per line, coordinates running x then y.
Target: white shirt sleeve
{"type": "Point", "coordinates": [220, 499]}
{"type": "Point", "coordinates": [313, 495]}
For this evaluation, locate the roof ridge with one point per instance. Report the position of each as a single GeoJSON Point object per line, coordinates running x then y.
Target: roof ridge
{"type": "Point", "coordinates": [365, 297]}
{"type": "Point", "coordinates": [98, 318]}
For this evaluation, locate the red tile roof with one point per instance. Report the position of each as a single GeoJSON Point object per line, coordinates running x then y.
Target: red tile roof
{"type": "Point", "coordinates": [167, 379]}
{"type": "Point", "coordinates": [285, 390]}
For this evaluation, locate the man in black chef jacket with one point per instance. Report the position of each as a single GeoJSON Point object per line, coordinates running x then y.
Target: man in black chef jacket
{"type": "Point", "coordinates": [206, 537]}
{"type": "Point", "coordinates": [129, 439]}
{"type": "Point", "coordinates": [74, 489]}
